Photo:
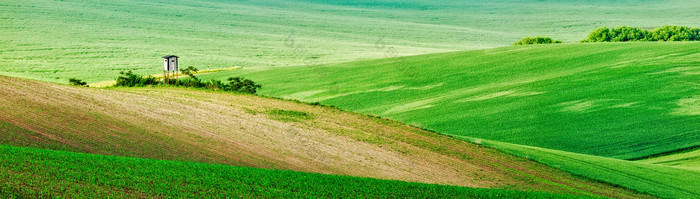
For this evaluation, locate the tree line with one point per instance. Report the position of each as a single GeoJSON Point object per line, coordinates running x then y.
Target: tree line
{"type": "Point", "coordinates": [536, 40]}
{"type": "Point", "coordinates": [233, 84]}
{"type": "Point", "coordinates": [626, 33]}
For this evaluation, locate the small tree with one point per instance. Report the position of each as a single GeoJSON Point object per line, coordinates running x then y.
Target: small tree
{"type": "Point", "coordinates": [77, 82]}
{"type": "Point", "coordinates": [601, 34]}
{"type": "Point", "coordinates": [192, 81]}
{"type": "Point", "coordinates": [189, 71]}
{"type": "Point", "coordinates": [129, 79]}
{"type": "Point", "coordinates": [239, 84]}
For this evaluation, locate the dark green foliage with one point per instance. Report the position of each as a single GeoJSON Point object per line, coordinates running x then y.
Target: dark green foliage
{"type": "Point", "coordinates": [599, 35]}
{"type": "Point", "coordinates": [235, 84]}
{"type": "Point", "coordinates": [239, 84]}
{"type": "Point", "coordinates": [129, 79]}
{"type": "Point", "coordinates": [625, 33]}
{"type": "Point", "coordinates": [189, 71]}
{"type": "Point", "coordinates": [214, 85]}
{"type": "Point", "coordinates": [77, 82]}
{"type": "Point", "coordinates": [191, 81]}
{"type": "Point", "coordinates": [676, 33]}
{"type": "Point", "coordinates": [536, 40]}
{"type": "Point", "coordinates": [39, 173]}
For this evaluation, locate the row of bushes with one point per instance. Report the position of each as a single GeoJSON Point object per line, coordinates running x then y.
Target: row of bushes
{"type": "Point", "coordinates": [625, 33]}
{"type": "Point", "coordinates": [234, 84]}
{"type": "Point", "coordinates": [536, 40]}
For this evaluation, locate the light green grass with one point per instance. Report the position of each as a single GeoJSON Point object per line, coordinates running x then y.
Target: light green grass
{"type": "Point", "coordinates": [659, 180]}
{"type": "Point", "coordinates": [94, 40]}
{"type": "Point", "coordinates": [685, 160]}
{"type": "Point", "coordinates": [615, 100]}
{"type": "Point", "coordinates": [28, 172]}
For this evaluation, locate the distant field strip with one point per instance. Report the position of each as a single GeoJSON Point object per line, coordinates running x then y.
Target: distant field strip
{"type": "Point", "coordinates": [94, 40]}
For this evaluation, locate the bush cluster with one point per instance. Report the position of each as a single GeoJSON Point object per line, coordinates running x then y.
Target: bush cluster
{"type": "Point", "coordinates": [234, 84]}
{"type": "Point", "coordinates": [625, 33]}
{"type": "Point", "coordinates": [77, 82]}
{"type": "Point", "coordinates": [536, 40]}
{"type": "Point", "coordinates": [129, 79]}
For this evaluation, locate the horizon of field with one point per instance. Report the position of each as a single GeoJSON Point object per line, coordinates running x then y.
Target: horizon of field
{"type": "Point", "coordinates": [94, 40]}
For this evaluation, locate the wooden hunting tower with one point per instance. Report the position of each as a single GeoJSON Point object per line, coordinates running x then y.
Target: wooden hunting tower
{"type": "Point", "coordinates": [169, 67]}
{"type": "Point", "coordinates": [170, 63]}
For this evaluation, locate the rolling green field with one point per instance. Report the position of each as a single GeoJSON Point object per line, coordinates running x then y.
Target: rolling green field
{"type": "Point", "coordinates": [685, 160]}
{"type": "Point", "coordinates": [197, 125]}
{"type": "Point", "coordinates": [30, 172]}
{"type": "Point", "coordinates": [614, 100]}
{"type": "Point", "coordinates": [626, 115]}
{"type": "Point", "coordinates": [93, 40]}
{"type": "Point", "coordinates": [648, 177]}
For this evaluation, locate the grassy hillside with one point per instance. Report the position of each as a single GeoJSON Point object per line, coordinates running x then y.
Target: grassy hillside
{"type": "Point", "coordinates": [623, 101]}
{"type": "Point", "coordinates": [93, 40]}
{"type": "Point", "coordinates": [615, 100]}
{"type": "Point", "coordinates": [685, 160]}
{"type": "Point", "coordinates": [243, 130]}
{"type": "Point", "coordinates": [28, 172]}
{"type": "Point", "coordinates": [649, 177]}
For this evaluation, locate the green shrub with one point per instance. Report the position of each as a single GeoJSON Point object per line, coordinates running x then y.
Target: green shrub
{"type": "Point", "coordinates": [601, 34]}
{"type": "Point", "coordinates": [129, 79]}
{"type": "Point", "coordinates": [239, 84]}
{"type": "Point", "coordinates": [625, 33]}
{"type": "Point", "coordinates": [676, 33]}
{"type": "Point", "coordinates": [214, 85]}
{"type": "Point", "coordinates": [536, 40]}
{"type": "Point", "coordinates": [235, 84]}
{"type": "Point", "coordinates": [77, 82]}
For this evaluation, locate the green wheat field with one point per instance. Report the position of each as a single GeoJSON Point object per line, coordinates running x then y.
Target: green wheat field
{"type": "Point", "coordinates": [358, 99]}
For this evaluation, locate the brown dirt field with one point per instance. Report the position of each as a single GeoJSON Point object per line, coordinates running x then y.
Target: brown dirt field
{"type": "Point", "coordinates": [237, 129]}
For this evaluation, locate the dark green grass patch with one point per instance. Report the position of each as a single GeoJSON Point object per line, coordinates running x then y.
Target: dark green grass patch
{"type": "Point", "coordinates": [29, 172]}
{"type": "Point", "coordinates": [288, 115]}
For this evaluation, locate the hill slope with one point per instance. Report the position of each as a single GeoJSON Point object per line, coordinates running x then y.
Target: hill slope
{"type": "Point", "coordinates": [244, 130]}
{"type": "Point", "coordinates": [615, 100]}
{"type": "Point", "coordinates": [686, 160]}
{"type": "Point", "coordinates": [620, 100]}
{"type": "Point", "coordinates": [93, 40]}
{"type": "Point", "coordinates": [28, 172]}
